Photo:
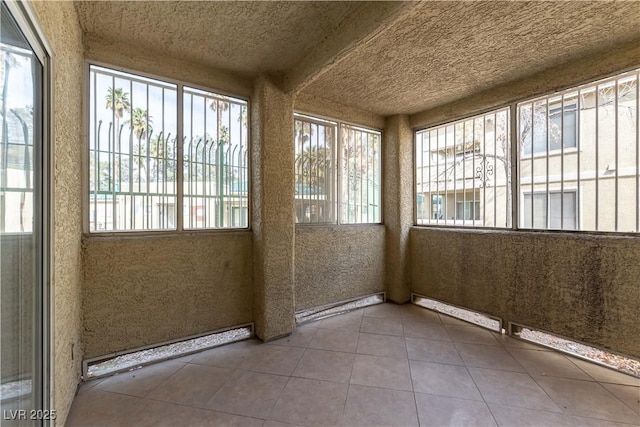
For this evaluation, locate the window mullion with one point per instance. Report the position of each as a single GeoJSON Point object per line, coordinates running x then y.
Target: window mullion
{"type": "Point", "coordinates": [180, 158]}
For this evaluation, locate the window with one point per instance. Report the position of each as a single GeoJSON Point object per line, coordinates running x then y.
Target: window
{"type": "Point", "coordinates": [464, 168]}
{"type": "Point", "coordinates": [555, 211]}
{"type": "Point", "coordinates": [136, 151]}
{"type": "Point", "coordinates": [578, 154]}
{"type": "Point", "coordinates": [593, 163]}
{"type": "Point", "coordinates": [337, 172]}
{"type": "Point", "coordinates": [551, 132]}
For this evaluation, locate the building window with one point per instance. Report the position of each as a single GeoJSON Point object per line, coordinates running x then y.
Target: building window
{"type": "Point", "coordinates": [464, 168]}
{"type": "Point", "coordinates": [136, 151]}
{"type": "Point", "coordinates": [337, 172]}
{"type": "Point", "coordinates": [578, 153]}
{"type": "Point", "coordinates": [597, 152]}
{"type": "Point", "coordinates": [554, 211]}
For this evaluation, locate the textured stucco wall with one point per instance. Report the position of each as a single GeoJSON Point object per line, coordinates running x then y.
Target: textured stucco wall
{"type": "Point", "coordinates": [141, 60]}
{"type": "Point", "coordinates": [398, 205]}
{"type": "Point", "coordinates": [314, 105]}
{"type": "Point", "coordinates": [59, 22]}
{"type": "Point", "coordinates": [335, 263]}
{"type": "Point", "coordinates": [273, 211]}
{"type": "Point", "coordinates": [581, 286]}
{"type": "Point", "coordinates": [613, 60]}
{"type": "Point", "coordinates": [145, 290]}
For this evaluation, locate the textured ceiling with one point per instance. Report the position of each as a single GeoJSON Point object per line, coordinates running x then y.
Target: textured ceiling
{"type": "Point", "coordinates": [406, 58]}
{"type": "Point", "coordinates": [245, 37]}
{"type": "Point", "coordinates": [446, 51]}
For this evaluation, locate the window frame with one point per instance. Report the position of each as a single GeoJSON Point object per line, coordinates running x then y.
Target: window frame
{"type": "Point", "coordinates": [516, 153]}
{"type": "Point", "coordinates": [338, 175]}
{"type": "Point", "coordinates": [86, 153]}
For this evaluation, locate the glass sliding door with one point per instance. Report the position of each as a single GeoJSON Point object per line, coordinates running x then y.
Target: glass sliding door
{"type": "Point", "coordinates": [23, 357]}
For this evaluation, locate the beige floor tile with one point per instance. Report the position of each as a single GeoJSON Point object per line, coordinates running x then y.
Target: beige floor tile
{"type": "Point", "coordinates": [471, 334]}
{"type": "Point", "coordinates": [547, 363]}
{"type": "Point", "coordinates": [195, 417]}
{"type": "Point", "coordinates": [522, 417]}
{"type": "Point", "coordinates": [387, 310]}
{"type": "Point", "coordinates": [512, 388]}
{"type": "Point", "coordinates": [329, 339]}
{"type": "Point", "coordinates": [310, 402]}
{"type": "Point", "coordinates": [273, 359]}
{"type": "Point", "coordinates": [345, 322]}
{"type": "Point", "coordinates": [426, 330]}
{"type": "Point", "coordinates": [371, 406]}
{"type": "Point", "coordinates": [630, 395]}
{"type": "Point", "coordinates": [382, 372]}
{"type": "Point", "coordinates": [325, 365]}
{"type": "Point", "coordinates": [450, 320]}
{"type": "Point", "coordinates": [312, 324]}
{"type": "Point", "coordinates": [382, 345]}
{"type": "Point", "coordinates": [140, 382]}
{"type": "Point", "coordinates": [511, 342]}
{"type": "Point", "coordinates": [300, 337]}
{"type": "Point", "coordinates": [381, 325]}
{"type": "Point", "coordinates": [414, 312]}
{"type": "Point", "coordinates": [587, 399]}
{"type": "Point", "coordinates": [488, 356]}
{"type": "Point", "coordinates": [193, 385]}
{"type": "Point", "coordinates": [443, 380]}
{"type": "Point", "coordinates": [272, 423]}
{"type": "Point", "coordinates": [95, 408]}
{"type": "Point", "coordinates": [605, 375]}
{"type": "Point", "coordinates": [433, 351]}
{"type": "Point", "coordinates": [247, 393]}
{"type": "Point", "coordinates": [228, 356]}
{"type": "Point", "coordinates": [439, 411]}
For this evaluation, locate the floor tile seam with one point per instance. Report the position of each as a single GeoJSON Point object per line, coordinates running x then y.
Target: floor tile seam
{"type": "Point", "coordinates": [413, 389]}
{"type": "Point", "coordinates": [466, 368]}
{"type": "Point", "coordinates": [604, 388]}
{"type": "Point", "coordinates": [429, 339]}
{"type": "Point", "coordinates": [524, 370]}
{"type": "Point", "coordinates": [387, 388]}
{"type": "Point", "coordinates": [318, 379]}
{"type": "Point", "coordinates": [164, 381]}
{"type": "Point", "coordinates": [204, 408]}
{"type": "Point", "coordinates": [390, 357]}
{"type": "Point", "coordinates": [556, 413]}
{"type": "Point", "coordinates": [379, 333]}
{"type": "Point", "coordinates": [566, 412]}
{"type": "Point", "coordinates": [480, 343]}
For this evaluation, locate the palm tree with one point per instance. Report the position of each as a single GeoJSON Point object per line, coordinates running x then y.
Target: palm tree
{"type": "Point", "coordinates": [219, 107]}
{"type": "Point", "coordinates": [140, 123]}
{"type": "Point", "coordinates": [117, 101]}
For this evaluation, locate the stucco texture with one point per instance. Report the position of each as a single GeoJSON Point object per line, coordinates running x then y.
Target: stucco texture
{"type": "Point", "coordinates": [273, 209]}
{"type": "Point", "coordinates": [146, 290]}
{"type": "Point", "coordinates": [59, 22]}
{"type": "Point", "coordinates": [398, 205]}
{"type": "Point", "coordinates": [443, 51]}
{"type": "Point", "coordinates": [336, 263]}
{"type": "Point", "coordinates": [576, 285]}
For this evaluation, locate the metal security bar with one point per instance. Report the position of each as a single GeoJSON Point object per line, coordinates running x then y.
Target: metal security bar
{"type": "Point", "coordinates": [463, 172]}
{"type": "Point", "coordinates": [215, 152]}
{"type": "Point", "coordinates": [155, 146]}
{"type": "Point", "coordinates": [315, 170]}
{"type": "Point", "coordinates": [360, 175]}
{"type": "Point", "coordinates": [579, 158]}
{"type": "Point", "coordinates": [132, 152]}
